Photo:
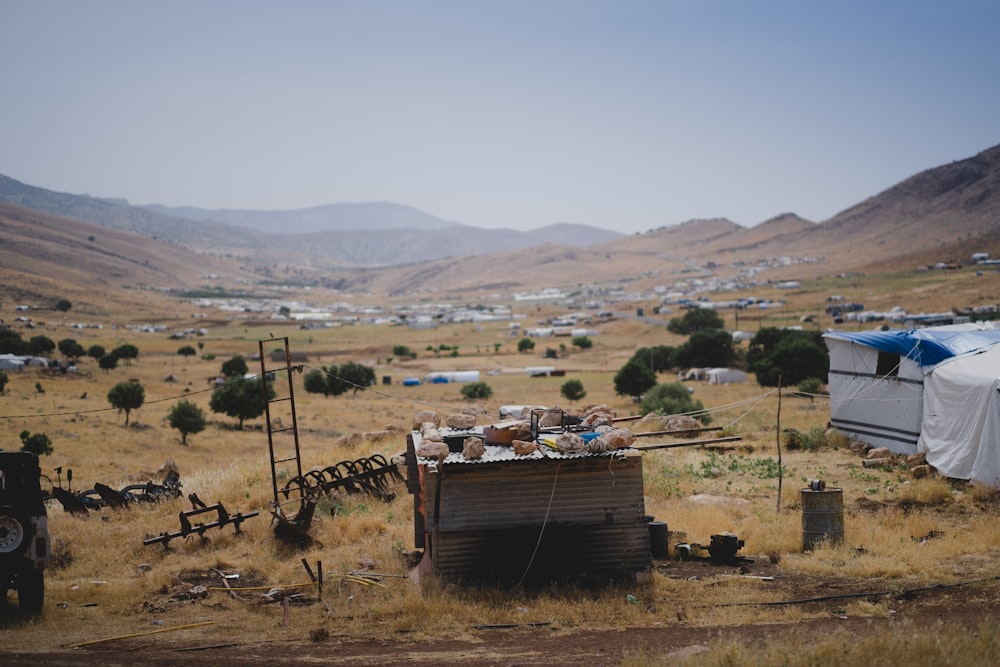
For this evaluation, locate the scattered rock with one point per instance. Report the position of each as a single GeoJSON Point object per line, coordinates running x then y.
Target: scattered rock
{"type": "Point", "coordinates": [524, 447]}
{"type": "Point", "coordinates": [879, 453]}
{"type": "Point", "coordinates": [432, 449]}
{"type": "Point", "coordinates": [426, 416]}
{"type": "Point", "coordinates": [921, 471]}
{"type": "Point", "coordinates": [860, 448]}
{"type": "Point", "coordinates": [460, 422]}
{"type": "Point", "coordinates": [473, 449]}
{"type": "Point", "coordinates": [367, 563]}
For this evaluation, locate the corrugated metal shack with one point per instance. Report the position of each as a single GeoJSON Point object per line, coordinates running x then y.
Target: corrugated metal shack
{"type": "Point", "coordinates": [531, 519]}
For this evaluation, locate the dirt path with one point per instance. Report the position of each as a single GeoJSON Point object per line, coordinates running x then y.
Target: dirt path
{"type": "Point", "coordinates": [516, 645]}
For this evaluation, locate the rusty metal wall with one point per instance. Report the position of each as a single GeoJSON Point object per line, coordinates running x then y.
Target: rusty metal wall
{"type": "Point", "coordinates": [547, 519]}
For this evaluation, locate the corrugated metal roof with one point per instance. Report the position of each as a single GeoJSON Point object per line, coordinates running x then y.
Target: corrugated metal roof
{"type": "Point", "coordinates": [504, 453]}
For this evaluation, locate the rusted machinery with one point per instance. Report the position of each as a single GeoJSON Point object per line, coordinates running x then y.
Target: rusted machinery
{"type": "Point", "coordinates": [373, 475]}
{"type": "Point", "coordinates": [222, 518]}
{"type": "Point", "coordinates": [102, 495]}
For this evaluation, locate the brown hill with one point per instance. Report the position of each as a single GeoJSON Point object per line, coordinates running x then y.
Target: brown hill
{"type": "Point", "coordinates": [944, 213]}
{"type": "Point", "coordinates": [44, 257]}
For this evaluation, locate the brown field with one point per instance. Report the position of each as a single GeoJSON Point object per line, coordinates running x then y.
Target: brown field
{"type": "Point", "coordinates": [919, 562]}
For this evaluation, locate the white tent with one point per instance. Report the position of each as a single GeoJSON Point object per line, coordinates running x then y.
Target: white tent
{"type": "Point", "coordinates": [10, 362]}
{"type": "Point", "coordinates": [934, 390]}
{"type": "Point", "coordinates": [725, 375]}
{"type": "Point", "coordinates": [960, 432]}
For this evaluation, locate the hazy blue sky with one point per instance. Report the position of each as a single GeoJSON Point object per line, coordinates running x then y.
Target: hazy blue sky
{"type": "Point", "coordinates": [628, 115]}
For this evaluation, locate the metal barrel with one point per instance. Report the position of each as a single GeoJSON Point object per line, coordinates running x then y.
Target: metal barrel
{"type": "Point", "coordinates": [822, 517]}
{"type": "Point", "coordinates": [658, 539]}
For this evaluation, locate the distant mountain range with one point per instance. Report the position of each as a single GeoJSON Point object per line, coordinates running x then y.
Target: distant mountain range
{"type": "Point", "coordinates": [316, 219]}
{"type": "Point", "coordinates": [943, 213]}
{"type": "Point", "coordinates": [335, 235]}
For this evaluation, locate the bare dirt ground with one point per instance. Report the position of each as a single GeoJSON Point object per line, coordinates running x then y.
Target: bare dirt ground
{"type": "Point", "coordinates": [670, 632]}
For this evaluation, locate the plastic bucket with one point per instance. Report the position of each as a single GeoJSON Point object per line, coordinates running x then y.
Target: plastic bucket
{"type": "Point", "coordinates": [822, 517]}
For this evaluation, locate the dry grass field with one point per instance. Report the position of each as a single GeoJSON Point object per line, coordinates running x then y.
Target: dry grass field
{"type": "Point", "coordinates": [918, 570]}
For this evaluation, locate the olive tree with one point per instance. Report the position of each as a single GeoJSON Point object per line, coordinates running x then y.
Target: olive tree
{"type": "Point", "coordinates": [127, 396]}
{"type": "Point", "coordinates": [634, 379]}
{"type": "Point", "coordinates": [187, 418]}
{"type": "Point", "coordinates": [242, 399]}
{"type": "Point", "coordinates": [36, 443]}
{"type": "Point", "coordinates": [672, 398]}
{"type": "Point", "coordinates": [572, 390]}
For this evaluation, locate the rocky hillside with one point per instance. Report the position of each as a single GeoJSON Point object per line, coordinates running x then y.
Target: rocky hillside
{"type": "Point", "coordinates": [940, 214]}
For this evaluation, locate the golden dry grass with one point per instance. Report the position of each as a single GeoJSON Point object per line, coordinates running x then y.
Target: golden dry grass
{"type": "Point", "coordinates": [698, 492]}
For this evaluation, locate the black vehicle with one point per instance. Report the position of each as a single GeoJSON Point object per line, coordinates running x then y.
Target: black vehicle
{"type": "Point", "coordinates": [24, 531]}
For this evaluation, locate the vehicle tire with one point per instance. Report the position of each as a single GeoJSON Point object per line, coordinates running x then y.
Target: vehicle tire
{"type": "Point", "coordinates": [15, 532]}
{"type": "Point", "coordinates": [31, 591]}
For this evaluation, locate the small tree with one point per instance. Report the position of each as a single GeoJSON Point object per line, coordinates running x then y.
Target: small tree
{"type": "Point", "coordinates": [477, 390]}
{"type": "Point", "coordinates": [525, 345]}
{"type": "Point", "coordinates": [11, 342]}
{"type": "Point", "coordinates": [108, 362]}
{"type": "Point", "coordinates": [36, 443]}
{"type": "Point", "coordinates": [583, 342]}
{"type": "Point", "coordinates": [658, 358]}
{"type": "Point", "coordinates": [572, 390]}
{"type": "Point", "coordinates": [241, 399]}
{"type": "Point", "coordinates": [127, 396]}
{"type": "Point", "coordinates": [41, 345]}
{"type": "Point", "coordinates": [187, 351]}
{"type": "Point", "coordinates": [71, 349]}
{"type": "Point", "coordinates": [95, 352]}
{"type": "Point", "coordinates": [634, 379]}
{"type": "Point", "coordinates": [354, 376]}
{"type": "Point", "coordinates": [672, 398]}
{"type": "Point", "coordinates": [126, 352]}
{"type": "Point", "coordinates": [403, 351]}
{"type": "Point", "coordinates": [706, 348]}
{"type": "Point", "coordinates": [789, 354]}
{"type": "Point", "coordinates": [63, 305]}
{"type": "Point", "coordinates": [696, 319]}
{"type": "Point", "coordinates": [235, 367]}
{"type": "Point", "coordinates": [187, 418]}
{"type": "Point", "coordinates": [327, 381]}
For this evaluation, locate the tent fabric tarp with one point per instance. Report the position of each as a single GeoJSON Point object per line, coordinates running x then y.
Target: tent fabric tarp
{"type": "Point", "coordinates": [725, 375]}
{"type": "Point", "coordinates": [942, 399]}
{"type": "Point", "coordinates": [883, 411]}
{"type": "Point", "coordinates": [960, 432]}
{"type": "Point", "coordinates": [927, 347]}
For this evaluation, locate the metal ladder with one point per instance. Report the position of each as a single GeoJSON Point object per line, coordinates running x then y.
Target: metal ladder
{"type": "Point", "coordinates": [285, 403]}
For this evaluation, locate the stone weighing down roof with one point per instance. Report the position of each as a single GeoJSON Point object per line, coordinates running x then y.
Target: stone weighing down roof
{"type": "Point", "coordinates": [505, 453]}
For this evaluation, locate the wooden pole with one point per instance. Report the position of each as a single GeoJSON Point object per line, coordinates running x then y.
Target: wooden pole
{"type": "Point", "coordinates": [142, 634]}
{"type": "Point", "coordinates": [777, 429]}
{"type": "Point", "coordinates": [692, 443]}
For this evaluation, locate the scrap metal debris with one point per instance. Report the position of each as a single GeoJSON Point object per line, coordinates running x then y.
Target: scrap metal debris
{"type": "Point", "coordinates": [222, 518]}
{"type": "Point", "coordinates": [723, 550]}
{"type": "Point", "coordinates": [102, 495]}
{"type": "Point", "coordinates": [372, 475]}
